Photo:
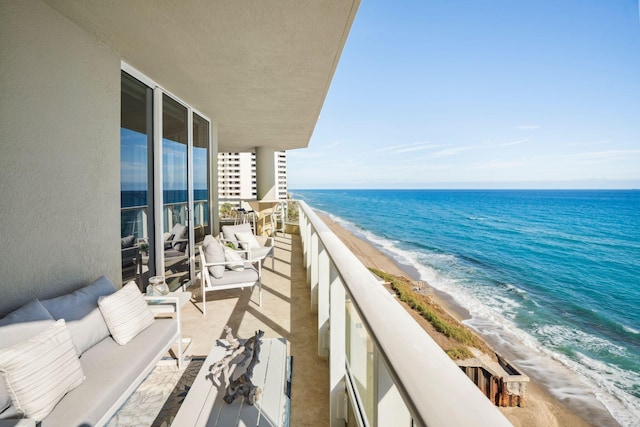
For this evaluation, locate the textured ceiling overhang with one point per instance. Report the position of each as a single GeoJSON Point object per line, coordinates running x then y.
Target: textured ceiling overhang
{"type": "Point", "coordinates": [260, 69]}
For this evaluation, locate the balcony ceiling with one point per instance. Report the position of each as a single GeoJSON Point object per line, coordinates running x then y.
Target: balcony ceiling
{"type": "Point", "coordinates": [259, 69]}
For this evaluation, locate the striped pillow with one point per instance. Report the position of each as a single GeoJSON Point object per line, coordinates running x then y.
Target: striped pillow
{"type": "Point", "coordinates": [126, 313]}
{"type": "Point", "coordinates": [38, 372]}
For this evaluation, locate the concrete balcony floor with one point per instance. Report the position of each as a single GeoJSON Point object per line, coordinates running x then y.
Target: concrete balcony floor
{"type": "Point", "coordinates": [285, 312]}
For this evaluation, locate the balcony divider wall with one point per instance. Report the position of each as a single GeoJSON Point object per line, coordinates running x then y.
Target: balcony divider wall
{"type": "Point", "coordinates": [384, 369]}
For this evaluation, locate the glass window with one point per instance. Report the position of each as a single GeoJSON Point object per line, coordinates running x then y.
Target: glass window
{"type": "Point", "coordinates": [136, 166]}
{"type": "Point", "coordinates": [174, 192]}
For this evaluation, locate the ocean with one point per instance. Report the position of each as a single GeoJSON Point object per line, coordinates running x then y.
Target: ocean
{"type": "Point", "coordinates": [551, 278]}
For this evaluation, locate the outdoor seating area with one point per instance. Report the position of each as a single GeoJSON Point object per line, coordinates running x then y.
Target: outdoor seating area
{"type": "Point", "coordinates": [286, 321]}
{"type": "Point", "coordinates": [284, 314]}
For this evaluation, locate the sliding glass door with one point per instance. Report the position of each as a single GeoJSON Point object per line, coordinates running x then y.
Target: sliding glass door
{"type": "Point", "coordinates": [201, 213]}
{"type": "Point", "coordinates": [136, 181]}
{"type": "Point", "coordinates": [175, 203]}
{"type": "Point", "coordinates": [164, 210]}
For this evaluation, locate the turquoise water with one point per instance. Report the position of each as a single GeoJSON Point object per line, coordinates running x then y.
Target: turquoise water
{"type": "Point", "coordinates": [551, 278]}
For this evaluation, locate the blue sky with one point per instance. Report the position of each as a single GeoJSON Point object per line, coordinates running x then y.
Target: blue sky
{"type": "Point", "coordinates": [481, 94]}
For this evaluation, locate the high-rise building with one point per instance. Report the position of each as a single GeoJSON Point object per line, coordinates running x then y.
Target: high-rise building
{"type": "Point", "coordinates": [281, 174]}
{"type": "Point", "coordinates": [237, 176]}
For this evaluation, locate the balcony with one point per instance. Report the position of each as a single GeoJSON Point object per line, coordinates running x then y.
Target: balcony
{"type": "Point", "coordinates": [374, 366]}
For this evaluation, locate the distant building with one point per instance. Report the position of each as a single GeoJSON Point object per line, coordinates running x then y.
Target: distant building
{"type": "Point", "coordinates": [237, 176]}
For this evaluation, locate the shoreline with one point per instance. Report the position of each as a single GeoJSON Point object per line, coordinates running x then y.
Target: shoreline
{"type": "Point", "coordinates": [542, 409]}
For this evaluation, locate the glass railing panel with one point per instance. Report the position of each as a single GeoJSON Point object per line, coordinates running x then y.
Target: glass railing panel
{"type": "Point", "coordinates": [360, 363]}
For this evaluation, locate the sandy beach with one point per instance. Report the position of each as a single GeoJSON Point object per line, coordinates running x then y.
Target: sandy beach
{"type": "Point", "coordinates": [542, 409]}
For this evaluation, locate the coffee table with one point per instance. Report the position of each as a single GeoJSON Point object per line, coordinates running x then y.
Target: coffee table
{"type": "Point", "coordinates": [204, 406]}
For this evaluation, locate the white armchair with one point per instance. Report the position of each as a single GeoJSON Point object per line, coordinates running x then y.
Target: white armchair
{"type": "Point", "coordinates": [217, 273]}
{"type": "Point", "coordinates": [254, 248]}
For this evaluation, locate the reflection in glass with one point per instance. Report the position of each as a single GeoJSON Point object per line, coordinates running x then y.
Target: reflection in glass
{"type": "Point", "coordinates": [174, 191]}
{"type": "Point", "coordinates": [135, 196]}
{"type": "Point", "coordinates": [360, 359]}
{"type": "Point", "coordinates": [200, 182]}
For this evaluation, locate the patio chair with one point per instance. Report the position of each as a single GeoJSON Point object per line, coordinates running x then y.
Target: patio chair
{"type": "Point", "coordinates": [255, 248]}
{"type": "Point", "coordinates": [175, 242]}
{"type": "Point", "coordinates": [220, 270]}
{"type": "Point", "coordinates": [278, 218]}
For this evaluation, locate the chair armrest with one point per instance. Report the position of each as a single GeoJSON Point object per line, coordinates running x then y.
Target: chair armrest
{"type": "Point", "coordinates": [265, 240]}
{"type": "Point", "coordinates": [236, 243]}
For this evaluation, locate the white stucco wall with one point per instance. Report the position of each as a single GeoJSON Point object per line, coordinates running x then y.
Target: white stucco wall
{"type": "Point", "coordinates": [266, 173]}
{"type": "Point", "coordinates": [59, 155]}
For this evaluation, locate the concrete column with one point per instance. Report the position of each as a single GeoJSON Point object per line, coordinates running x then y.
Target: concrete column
{"type": "Point", "coordinates": [213, 181]}
{"type": "Point", "coordinates": [266, 173]}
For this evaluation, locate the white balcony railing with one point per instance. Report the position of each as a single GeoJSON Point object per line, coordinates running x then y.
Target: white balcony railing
{"type": "Point", "coordinates": [384, 368]}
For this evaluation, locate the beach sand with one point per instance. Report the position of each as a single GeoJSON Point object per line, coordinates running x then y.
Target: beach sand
{"type": "Point", "coordinates": [541, 410]}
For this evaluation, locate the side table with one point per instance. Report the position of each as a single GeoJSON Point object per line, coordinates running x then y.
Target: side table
{"type": "Point", "coordinates": [170, 305]}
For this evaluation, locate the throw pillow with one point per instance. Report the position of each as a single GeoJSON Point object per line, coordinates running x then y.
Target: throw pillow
{"type": "Point", "coordinates": [236, 261]}
{"type": "Point", "coordinates": [229, 231]}
{"type": "Point", "coordinates": [17, 326]}
{"type": "Point", "coordinates": [38, 372]}
{"type": "Point", "coordinates": [247, 240]}
{"type": "Point", "coordinates": [80, 311]}
{"type": "Point", "coordinates": [126, 313]}
{"type": "Point", "coordinates": [213, 252]}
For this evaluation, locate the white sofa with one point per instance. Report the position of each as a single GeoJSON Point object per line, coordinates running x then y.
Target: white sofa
{"type": "Point", "coordinates": [112, 371]}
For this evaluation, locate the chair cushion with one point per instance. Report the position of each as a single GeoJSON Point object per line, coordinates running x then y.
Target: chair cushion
{"type": "Point", "coordinates": [127, 242]}
{"type": "Point", "coordinates": [179, 232]}
{"type": "Point", "coordinates": [229, 231]}
{"type": "Point", "coordinates": [236, 261]}
{"type": "Point", "coordinates": [17, 326]}
{"type": "Point", "coordinates": [261, 253]}
{"type": "Point", "coordinates": [38, 372]}
{"type": "Point", "coordinates": [247, 240]}
{"type": "Point", "coordinates": [126, 313]}
{"type": "Point", "coordinates": [213, 252]}
{"type": "Point", "coordinates": [248, 275]}
{"type": "Point", "coordinates": [81, 312]}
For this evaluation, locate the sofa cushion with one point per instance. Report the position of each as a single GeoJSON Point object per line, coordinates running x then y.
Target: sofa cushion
{"type": "Point", "coordinates": [30, 312]}
{"type": "Point", "coordinates": [229, 231]}
{"type": "Point", "coordinates": [17, 326]}
{"type": "Point", "coordinates": [80, 310]}
{"type": "Point", "coordinates": [213, 252]}
{"type": "Point", "coordinates": [126, 313]}
{"type": "Point", "coordinates": [38, 372]}
{"type": "Point", "coordinates": [113, 372]}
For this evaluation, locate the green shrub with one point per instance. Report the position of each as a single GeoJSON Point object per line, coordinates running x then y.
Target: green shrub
{"type": "Point", "coordinates": [459, 353]}
{"type": "Point", "coordinates": [402, 288]}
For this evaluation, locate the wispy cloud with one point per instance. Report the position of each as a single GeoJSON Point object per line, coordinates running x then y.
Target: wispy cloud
{"type": "Point", "coordinates": [451, 151]}
{"type": "Point", "coordinates": [497, 164]}
{"type": "Point", "coordinates": [304, 154]}
{"type": "Point", "coordinates": [608, 154]}
{"type": "Point", "coordinates": [528, 127]}
{"type": "Point", "coordinates": [408, 148]}
{"type": "Point", "coordinates": [517, 142]}
{"type": "Point", "coordinates": [589, 143]}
